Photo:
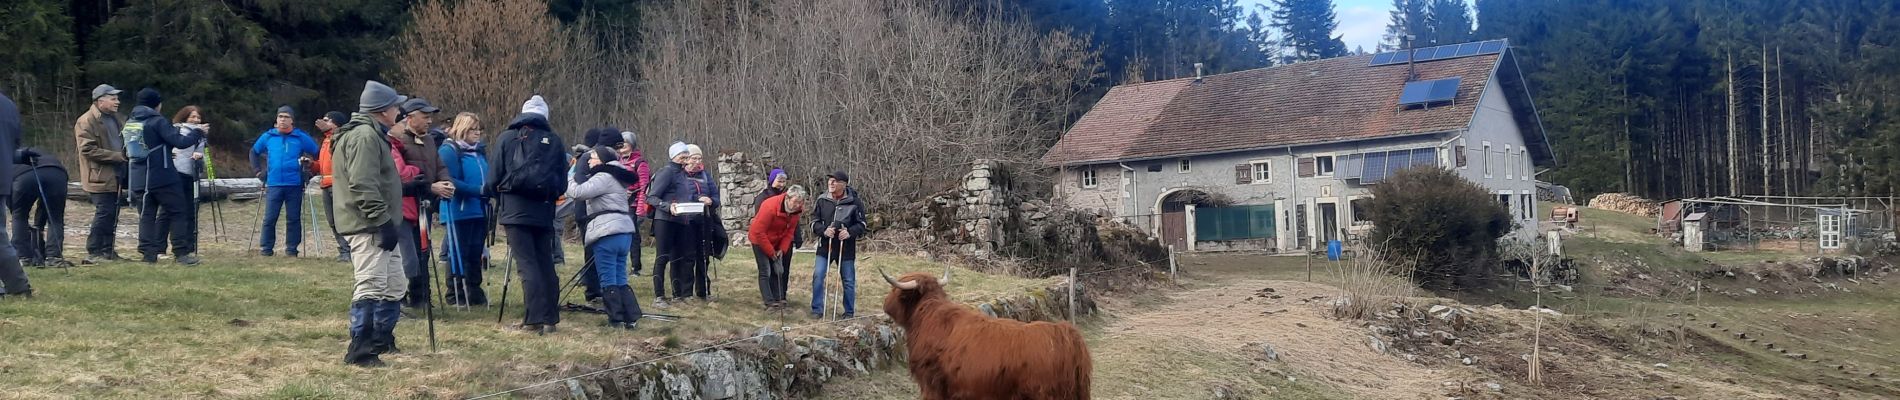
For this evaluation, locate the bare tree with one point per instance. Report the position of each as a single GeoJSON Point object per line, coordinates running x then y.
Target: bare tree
{"type": "Point", "coordinates": [905, 93]}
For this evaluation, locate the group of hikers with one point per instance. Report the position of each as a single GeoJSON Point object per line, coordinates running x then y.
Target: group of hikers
{"type": "Point", "coordinates": [389, 174]}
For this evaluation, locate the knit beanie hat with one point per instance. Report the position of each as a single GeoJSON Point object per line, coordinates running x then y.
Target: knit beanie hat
{"type": "Point", "coordinates": [773, 176]}
{"type": "Point", "coordinates": [693, 149]}
{"type": "Point", "coordinates": [675, 150]}
{"type": "Point", "coordinates": [535, 105]}
{"type": "Point", "coordinates": [149, 97]}
{"type": "Point", "coordinates": [377, 97]}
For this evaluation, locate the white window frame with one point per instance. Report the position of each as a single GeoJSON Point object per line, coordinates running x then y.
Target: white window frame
{"type": "Point", "coordinates": [1324, 170]}
{"type": "Point", "coordinates": [1262, 171]}
{"type": "Point", "coordinates": [1527, 203]}
{"type": "Point", "coordinates": [1185, 165]}
{"type": "Point", "coordinates": [1525, 160]}
{"type": "Point", "coordinates": [1088, 177]}
{"type": "Point", "coordinates": [1487, 159]}
{"type": "Point", "coordinates": [1510, 163]}
{"type": "Point", "coordinates": [1830, 225]}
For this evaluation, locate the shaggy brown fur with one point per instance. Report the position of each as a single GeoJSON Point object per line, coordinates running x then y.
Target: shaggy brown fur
{"type": "Point", "coordinates": [959, 353]}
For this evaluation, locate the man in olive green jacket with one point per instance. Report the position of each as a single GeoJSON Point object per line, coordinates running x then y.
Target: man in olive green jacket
{"type": "Point", "coordinates": [368, 211]}
{"type": "Point", "coordinates": [101, 166]}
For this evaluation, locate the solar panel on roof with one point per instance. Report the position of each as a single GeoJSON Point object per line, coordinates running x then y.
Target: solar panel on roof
{"type": "Point", "coordinates": [1491, 47]}
{"type": "Point", "coordinates": [1444, 89]}
{"type": "Point", "coordinates": [1415, 93]}
{"type": "Point", "coordinates": [1402, 57]}
{"type": "Point", "coordinates": [1382, 58]}
{"type": "Point", "coordinates": [1426, 92]}
{"type": "Point", "coordinates": [1468, 49]}
{"type": "Point", "coordinates": [1444, 52]}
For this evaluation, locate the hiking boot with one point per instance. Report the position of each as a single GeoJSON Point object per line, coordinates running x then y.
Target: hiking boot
{"type": "Point", "coordinates": [660, 302]}
{"type": "Point", "coordinates": [112, 257]}
{"type": "Point", "coordinates": [266, 253]}
{"type": "Point", "coordinates": [33, 263]}
{"type": "Point", "coordinates": [149, 259]}
{"type": "Point", "coordinates": [343, 258]}
{"type": "Point", "coordinates": [27, 295]}
{"type": "Point", "coordinates": [57, 262]}
{"type": "Point", "coordinates": [189, 260]}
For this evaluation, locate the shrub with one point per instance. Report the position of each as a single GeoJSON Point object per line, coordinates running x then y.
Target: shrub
{"type": "Point", "coordinates": [1443, 225]}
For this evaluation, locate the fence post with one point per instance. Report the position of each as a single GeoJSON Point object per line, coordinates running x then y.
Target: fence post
{"type": "Point", "coordinates": [1171, 267]}
{"type": "Point", "coordinates": [1072, 284]}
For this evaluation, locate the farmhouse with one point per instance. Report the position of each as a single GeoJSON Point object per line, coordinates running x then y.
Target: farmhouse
{"type": "Point", "coordinates": [1276, 158]}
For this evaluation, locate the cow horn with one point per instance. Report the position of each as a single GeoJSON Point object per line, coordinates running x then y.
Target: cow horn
{"type": "Point", "coordinates": [894, 282]}
{"type": "Point", "coordinates": [945, 280]}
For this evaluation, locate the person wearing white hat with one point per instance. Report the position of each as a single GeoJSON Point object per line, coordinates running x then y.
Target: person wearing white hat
{"type": "Point", "coordinates": [526, 175]}
{"type": "Point", "coordinates": [681, 196]}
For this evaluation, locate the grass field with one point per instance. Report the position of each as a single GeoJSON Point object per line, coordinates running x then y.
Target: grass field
{"type": "Point", "coordinates": [245, 326]}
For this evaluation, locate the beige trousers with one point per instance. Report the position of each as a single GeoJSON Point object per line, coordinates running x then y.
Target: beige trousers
{"type": "Point", "coordinates": [379, 274]}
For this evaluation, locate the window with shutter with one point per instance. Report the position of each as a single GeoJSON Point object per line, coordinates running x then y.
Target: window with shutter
{"type": "Point", "coordinates": [1243, 174]}
{"type": "Point", "coordinates": [1307, 167]}
{"type": "Point", "coordinates": [1461, 156]}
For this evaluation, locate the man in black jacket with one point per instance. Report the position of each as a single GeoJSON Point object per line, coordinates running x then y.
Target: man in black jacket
{"type": "Point", "coordinates": [40, 181]}
{"type": "Point", "coordinates": [838, 222]}
{"type": "Point", "coordinates": [527, 213]}
{"type": "Point", "coordinates": [12, 277]}
{"type": "Point", "coordinates": [155, 182]}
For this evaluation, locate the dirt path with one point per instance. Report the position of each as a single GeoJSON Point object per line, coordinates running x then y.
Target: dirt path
{"type": "Point", "coordinates": [1230, 318]}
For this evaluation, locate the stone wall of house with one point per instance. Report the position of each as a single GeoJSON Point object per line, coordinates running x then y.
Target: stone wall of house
{"type": "Point", "coordinates": [740, 179]}
{"type": "Point", "coordinates": [1105, 196]}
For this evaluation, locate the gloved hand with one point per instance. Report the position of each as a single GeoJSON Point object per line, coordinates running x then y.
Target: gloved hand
{"type": "Point", "coordinates": [387, 236]}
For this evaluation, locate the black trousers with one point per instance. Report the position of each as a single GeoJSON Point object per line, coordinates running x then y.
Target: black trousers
{"type": "Point", "coordinates": [105, 222]}
{"type": "Point", "coordinates": [684, 259]}
{"type": "Point", "coordinates": [162, 213]}
{"type": "Point", "coordinates": [12, 276]}
{"type": "Point", "coordinates": [465, 261]}
{"type": "Point", "coordinates": [590, 277]}
{"type": "Point", "coordinates": [190, 186]}
{"type": "Point", "coordinates": [41, 237]}
{"type": "Point", "coordinates": [533, 250]}
{"type": "Point", "coordinates": [417, 268]}
{"type": "Point", "coordinates": [773, 278]}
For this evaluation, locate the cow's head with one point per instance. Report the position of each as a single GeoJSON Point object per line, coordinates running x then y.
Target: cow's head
{"type": "Point", "coordinates": [910, 290]}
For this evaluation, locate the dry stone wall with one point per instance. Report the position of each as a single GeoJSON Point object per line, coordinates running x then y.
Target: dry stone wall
{"type": "Point", "coordinates": [740, 179]}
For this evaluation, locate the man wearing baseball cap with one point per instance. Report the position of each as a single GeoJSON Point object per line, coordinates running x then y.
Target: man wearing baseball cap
{"type": "Point", "coordinates": [101, 170]}
{"type": "Point", "coordinates": [418, 149]}
{"type": "Point", "coordinates": [838, 221]}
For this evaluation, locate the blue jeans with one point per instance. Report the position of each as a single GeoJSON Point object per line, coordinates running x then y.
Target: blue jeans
{"type": "Point", "coordinates": [849, 273]}
{"type": "Point", "coordinates": [275, 198]}
{"type": "Point", "coordinates": [610, 259]}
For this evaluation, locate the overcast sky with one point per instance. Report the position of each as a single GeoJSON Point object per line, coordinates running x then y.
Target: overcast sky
{"type": "Point", "coordinates": [1361, 22]}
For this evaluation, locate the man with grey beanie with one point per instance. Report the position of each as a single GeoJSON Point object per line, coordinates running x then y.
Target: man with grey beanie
{"type": "Point", "coordinates": [369, 213]}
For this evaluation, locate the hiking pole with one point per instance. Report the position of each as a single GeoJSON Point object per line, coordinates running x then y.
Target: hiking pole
{"type": "Point", "coordinates": [455, 265]}
{"type": "Point", "coordinates": [39, 234]}
{"type": "Point", "coordinates": [431, 308]}
{"type": "Point", "coordinates": [506, 274]}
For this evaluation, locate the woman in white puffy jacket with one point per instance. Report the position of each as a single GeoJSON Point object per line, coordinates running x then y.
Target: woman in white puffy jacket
{"type": "Point", "coordinates": [609, 229]}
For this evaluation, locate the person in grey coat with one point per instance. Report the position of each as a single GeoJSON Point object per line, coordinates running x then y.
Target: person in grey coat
{"type": "Point", "coordinates": [609, 229]}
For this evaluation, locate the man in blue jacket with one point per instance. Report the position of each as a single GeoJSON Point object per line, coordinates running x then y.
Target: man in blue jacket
{"type": "Point", "coordinates": [12, 277]}
{"type": "Point", "coordinates": [278, 158]}
{"type": "Point", "coordinates": [155, 182]}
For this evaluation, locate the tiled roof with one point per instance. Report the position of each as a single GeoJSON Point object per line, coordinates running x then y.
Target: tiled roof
{"type": "Point", "coordinates": [1332, 100]}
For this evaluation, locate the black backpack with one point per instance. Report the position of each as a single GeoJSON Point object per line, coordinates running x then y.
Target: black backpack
{"type": "Point", "coordinates": [535, 166]}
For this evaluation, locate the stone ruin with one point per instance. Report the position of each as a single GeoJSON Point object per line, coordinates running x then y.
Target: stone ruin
{"type": "Point", "coordinates": [740, 179]}
{"type": "Point", "coordinates": [985, 217]}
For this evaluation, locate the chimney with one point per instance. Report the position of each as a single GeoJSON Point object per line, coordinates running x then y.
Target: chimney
{"type": "Point", "coordinates": [1197, 72]}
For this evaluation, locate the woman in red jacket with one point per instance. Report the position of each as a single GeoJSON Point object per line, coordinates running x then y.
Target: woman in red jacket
{"type": "Point", "coordinates": [771, 235]}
